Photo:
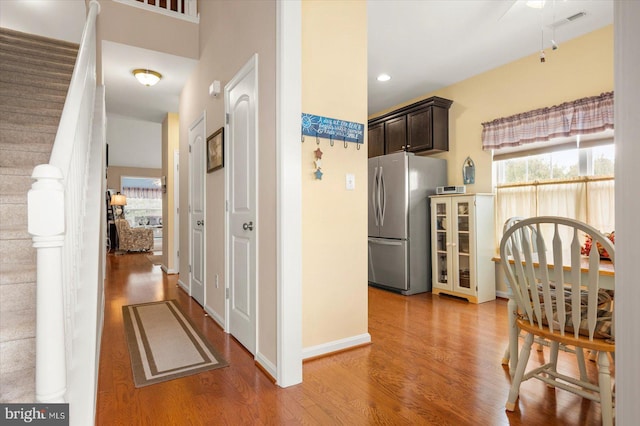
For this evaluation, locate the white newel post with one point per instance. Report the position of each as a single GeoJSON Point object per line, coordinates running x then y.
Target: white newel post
{"type": "Point", "coordinates": [47, 227]}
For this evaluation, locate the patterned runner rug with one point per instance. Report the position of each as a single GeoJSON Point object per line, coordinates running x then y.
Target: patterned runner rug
{"type": "Point", "coordinates": [164, 344]}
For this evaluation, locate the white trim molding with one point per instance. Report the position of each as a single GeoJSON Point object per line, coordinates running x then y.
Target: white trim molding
{"type": "Point", "coordinates": [626, 112]}
{"type": "Point", "coordinates": [268, 366]}
{"type": "Point", "coordinates": [289, 192]}
{"type": "Point", "coordinates": [184, 286]}
{"type": "Point", "coordinates": [336, 346]}
{"type": "Point", "coordinates": [215, 316]}
{"type": "Point", "coordinates": [167, 270]}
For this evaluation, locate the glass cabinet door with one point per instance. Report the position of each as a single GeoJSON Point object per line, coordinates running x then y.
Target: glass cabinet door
{"type": "Point", "coordinates": [462, 236]}
{"type": "Point", "coordinates": [441, 267]}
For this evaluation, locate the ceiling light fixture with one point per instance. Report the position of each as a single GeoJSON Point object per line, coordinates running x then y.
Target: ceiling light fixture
{"type": "Point", "coordinates": [536, 4]}
{"type": "Point", "coordinates": [384, 77]}
{"type": "Point", "coordinates": [147, 77]}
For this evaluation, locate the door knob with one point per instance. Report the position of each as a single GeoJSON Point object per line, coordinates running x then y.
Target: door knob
{"type": "Point", "coordinates": [247, 226]}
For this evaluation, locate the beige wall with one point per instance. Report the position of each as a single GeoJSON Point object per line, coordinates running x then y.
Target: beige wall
{"type": "Point", "coordinates": [114, 173]}
{"type": "Point", "coordinates": [231, 32]}
{"type": "Point", "coordinates": [120, 23]}
{"type": "Point", "coordinates": [334, 220]}
{"type": "Point", "coordinates": [579, 68]}
{"type": "Point", "coordinates": [170, 142]}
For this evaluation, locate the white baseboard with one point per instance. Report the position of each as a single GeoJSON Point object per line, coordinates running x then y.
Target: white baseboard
{"type": "Point", "coordinates": [268, 366]}
{"type": "Point", "coordinates": [503, 294]}
{"type": "Point", "coordinates": [215, 316]}
{"type": "Point", "coordinates": [184, 286]}
{"type": "Point", "coordinates": [335, 346]}
{"type": "Point", "coordinates": [168, 271]}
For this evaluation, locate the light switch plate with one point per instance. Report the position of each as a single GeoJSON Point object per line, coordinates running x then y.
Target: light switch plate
{"type": "Point", "coordinates": [351, 181]}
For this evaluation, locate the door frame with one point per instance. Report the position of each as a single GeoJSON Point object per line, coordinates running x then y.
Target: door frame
{"type": "Point", "coordinates": [289, 192]}
{"type": "Point", "coordinates": [176, 213]}
{"type": "Point", "coordinates": [252, 63]}
{"type": "Point", "coordinates": [202, 117]}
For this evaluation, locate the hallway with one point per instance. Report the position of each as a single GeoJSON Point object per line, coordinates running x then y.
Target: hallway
{"type": "Point", "coordinates": [433, 360]}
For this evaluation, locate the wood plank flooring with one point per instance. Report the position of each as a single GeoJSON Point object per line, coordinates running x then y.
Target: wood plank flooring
{"type": "Point", "coordinates": [434, 360]}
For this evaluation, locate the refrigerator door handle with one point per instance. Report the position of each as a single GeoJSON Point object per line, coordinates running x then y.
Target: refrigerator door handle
{"type": "Point", "coordinates": [374, 185]}
{"type": "Point", "coordinates": [382, 197]}
{"type": "Point", "coordinates": [386, 242]}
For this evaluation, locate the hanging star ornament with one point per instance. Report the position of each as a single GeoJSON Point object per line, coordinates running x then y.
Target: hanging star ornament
{"type": "Point", "coordinates": [318, 163]}
{"type": "Point", "coordinates": [318, 174]}
{"type": "Point", "coordinates": [318, 153]}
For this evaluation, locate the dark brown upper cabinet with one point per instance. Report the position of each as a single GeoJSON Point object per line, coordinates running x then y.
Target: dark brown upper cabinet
{"type": "Point", "coordinates": [375, 140]}
{"type": "Point", "coordinates": [395, 134]}
{"type": "Point", "coordinates": [419, 127]}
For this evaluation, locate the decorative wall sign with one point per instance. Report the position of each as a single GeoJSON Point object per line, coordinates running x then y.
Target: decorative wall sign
{"type": "Point", "coordinates": [332, 128]}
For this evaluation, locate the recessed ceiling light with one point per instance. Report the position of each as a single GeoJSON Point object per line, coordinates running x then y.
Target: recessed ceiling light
{"type": "Point", "coordinates": [147, 77]}
{"type": "Point", "coordinates": [384, 77]}
{"type": "Point", "coordinates": [536, 4]}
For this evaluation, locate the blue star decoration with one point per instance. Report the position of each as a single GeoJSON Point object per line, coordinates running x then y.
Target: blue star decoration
{"type": "Point", "coordinates": [318, 174]}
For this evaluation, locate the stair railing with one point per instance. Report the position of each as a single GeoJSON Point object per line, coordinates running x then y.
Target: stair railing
{"type": "Point", "coordinates": [183, 9]}
{"type": "Point", "coordinates": [64, 211]}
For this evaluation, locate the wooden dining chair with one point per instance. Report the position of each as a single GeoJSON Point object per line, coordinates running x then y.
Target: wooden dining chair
{"type": "Point", "coordinates": [510, 356]}
{"type": "Point", "coordinates": [563, 305]}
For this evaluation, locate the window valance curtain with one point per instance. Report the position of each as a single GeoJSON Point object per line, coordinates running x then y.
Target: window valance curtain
{"type": "Point", "coordinates": [580, 117]}
{"type": "Point", "coordinates": [132, 192]}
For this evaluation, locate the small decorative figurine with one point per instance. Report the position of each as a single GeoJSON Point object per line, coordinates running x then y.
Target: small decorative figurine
{"type": "Point", "coordinates": [318, 163]}
{"type": "Point", "coordinates": [469, 171]}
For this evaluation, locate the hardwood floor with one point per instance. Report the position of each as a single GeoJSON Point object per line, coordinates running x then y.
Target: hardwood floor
{"type": "Point", "coordinates": [434, 360]}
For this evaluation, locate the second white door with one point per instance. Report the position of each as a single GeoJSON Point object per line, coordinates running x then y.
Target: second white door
{"type": "Point", "coordinates": [242, 114]}
{"type": "Point", "coordinates": [197, 209]}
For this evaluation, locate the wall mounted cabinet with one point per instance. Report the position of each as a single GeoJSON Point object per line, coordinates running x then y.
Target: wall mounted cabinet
{"type": "Point", "coordinates": [419, 127]}
{"type": "Point", "coordinates": [375, 140]}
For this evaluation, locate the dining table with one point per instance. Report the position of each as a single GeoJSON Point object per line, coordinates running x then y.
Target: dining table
{"type": "Point", "coordinates": [606, 272]}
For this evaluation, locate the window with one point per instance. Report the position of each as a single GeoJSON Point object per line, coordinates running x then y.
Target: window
{"type": "Point", "coordinates": [569, 178]}
{"type": "Point", "coordinates": [569, 163]}
{"type": "Point", "coordinates": [144, 201]}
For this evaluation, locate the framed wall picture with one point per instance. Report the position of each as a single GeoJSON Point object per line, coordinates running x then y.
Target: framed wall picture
{"type": "Point", "coordinates": [215, 150]}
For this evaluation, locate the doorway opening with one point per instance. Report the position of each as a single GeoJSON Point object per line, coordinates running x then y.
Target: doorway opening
{"type": "Point", "coordinates": [144, 205]}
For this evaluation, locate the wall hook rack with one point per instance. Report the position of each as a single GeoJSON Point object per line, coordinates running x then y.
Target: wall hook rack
{"type": "Point", "coordinates": [332, 128]}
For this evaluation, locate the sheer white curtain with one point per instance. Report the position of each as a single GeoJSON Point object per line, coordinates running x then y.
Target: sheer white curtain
{"type": "Point", "coordinates": [590, 201]}
{"type": "Point", "coordinates": [563, 199]}
{"type": "Point", "coordinates": [600, 205]}
{"type": "Point", "coordinates": [511, 202]}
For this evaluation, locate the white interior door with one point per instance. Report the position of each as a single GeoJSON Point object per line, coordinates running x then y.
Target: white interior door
{"type": "Point", "coordinates": [196, 209]}
{"type": "Point", "coordinates": [176, 212]}
{"type": "Point", "coordinates": [241, 135]}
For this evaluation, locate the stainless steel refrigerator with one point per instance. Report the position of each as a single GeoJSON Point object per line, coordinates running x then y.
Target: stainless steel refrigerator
{"type": "Point", "coordinates": [399, 226]}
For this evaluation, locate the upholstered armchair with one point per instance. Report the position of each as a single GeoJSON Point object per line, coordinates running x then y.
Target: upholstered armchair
{"type": "Point", "coordinates": [133, 239]}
